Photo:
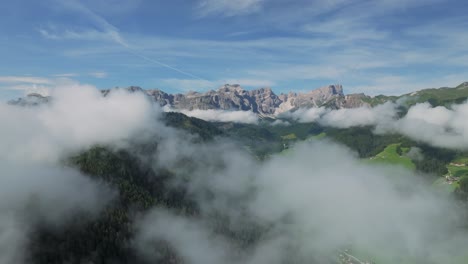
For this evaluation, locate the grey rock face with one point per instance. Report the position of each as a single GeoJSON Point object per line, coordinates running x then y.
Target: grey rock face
{"type": "Point", "coordinates": [262, 101]}
{"type": "Point", "coordinates": [315, 98]}
{"type": "Point", "coordinates": [33, 99]}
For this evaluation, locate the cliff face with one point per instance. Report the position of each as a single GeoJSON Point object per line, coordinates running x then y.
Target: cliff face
{"type": "Point", "coordinates": [265, 102]}
{"type": "Point", "coordinates": [262, 101]}
{"type": "Point", "coordinates": [227, 97]}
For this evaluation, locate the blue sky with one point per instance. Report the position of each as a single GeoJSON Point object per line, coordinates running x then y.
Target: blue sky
{"type": "Point", "coordinates": [370, 46]}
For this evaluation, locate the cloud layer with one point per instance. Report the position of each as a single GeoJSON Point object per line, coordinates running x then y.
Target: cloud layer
{"type": "Point", "coordinates": [246, 117]}
{"type": "Point", "coordinates": [307, 206]}
{"type": "Point", "coordinates": [78, 117]}
{"type": "Point", "coordinates": [438, 126]}
{"type": "Point", "coordinates": [36, 189]}
{"type": "Point", "coordinates": [229, 8]}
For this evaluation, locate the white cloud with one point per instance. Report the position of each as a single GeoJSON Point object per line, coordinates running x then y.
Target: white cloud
{"type": "Point", "coordinates": [88, 34]}
{"type": "Point", "coordinates": [436, 126]}
{"type": "Point", "coordinates": [99, 75]}
{"type": "Point", "coordinates": [186, 85]}
{"type": "Point", "coordinates": [279, 122]}
{"type": "Point", "coordinates": [33, 194]}
{"type": "Point", "coordinates": [229, 8]}
{"type": "Point", "coordinates": [194, 240]}
{"type": "Point", "coordinates": [77, 117]}
{"type": "Point", "coordinates": [345, 117]}
{"type": "Point", "coordinates": [246, 117]}
{"type": "Point", "coordinates": [248, 82]}
{"type": "Point", "coordinates": [301, 72]}
{"type": "Point", "coordinates": [29, 84]}
{"type": "Point", "coordinates": [307, 205]}
{"type": "Point", "coordinates": [348, 28]}
{"type": "Point", "coordinates": [301, 207]}
{"type": "Point", "coordinates": [305, 115]}
{"type": "Point", "coordinates": [399, 84]}
{"type": "Point", "coordinates": [110, 32]}
{"type": "Point", "coordinates": [65, 75]}
{"type": "Point", "coordinates": [26, 89]}
{"type": "Point", "coordinates": [24, 79]}
{"type": "Point", "coordinates": [356, 63]}
{"type": "Point", "coordinates": [363, 116]}
{"type": "Point", "coordinates": [39, 85]}
{"type": "Point", "coordinates": [36, 186]}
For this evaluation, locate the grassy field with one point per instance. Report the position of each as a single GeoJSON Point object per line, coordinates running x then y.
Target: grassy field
{"type": "Point", "coordinates": [436, 96]}
{"type": "Point", "coordinates": [440, 96]}
{"type": "Point", "coordinates": [442, 185]}
{"type": "Point", "coordinates": [291, 136]}
{"type": "Point", "coordinates": [318, 136]}
{"type": "Point", "coordinates": [390, 156]}
{"type": "Point", "coordinates": [457, 171]}
{"type": "Point", "coordinates": [457, 168]}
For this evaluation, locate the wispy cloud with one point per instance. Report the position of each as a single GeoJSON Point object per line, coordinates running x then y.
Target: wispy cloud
{"type": "Point", "coordinates": [26, 84]}
{"type": "Point", "coordinates": [249, 82]}
{"type": "Point", "coordinates": [98, 21]}
{"type": "Point", "coordinates": [228, 7]}
{"type": "Point", "coordinates": [98, 74]}
{"type": "Point", "coordinates": [186, 85]}
{"type": "Point", "coordinates": [66, 75]}
{"type": "Point", "coordinates": [346, 29]}
{"type": "Point", "coordinates": [33, 84]}
{"type": "Point", "coordinates": [85, 34]}
{"type": "Point", "coordinates": [311, 71]}
{"type": "Point", "coordinates": [303, 43]}
{"type": "Point", "coordinates": [111, 32]}
{"type": "Point", "coordinates": [24, 79]}
{"type": "Point", "coordinates": [245, 117]}
{"type": "Point", "coordinates": [400, 84]}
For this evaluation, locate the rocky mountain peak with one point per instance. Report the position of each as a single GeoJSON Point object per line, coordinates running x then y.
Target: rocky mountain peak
{"type": "Point", "coordinates": [327, 91]}
{"type": "Point", "coordinates": [32, 99]}
{"type": "Point", "coordinates": [262, 101]}
{"type": "Point", "coordinates": [233, 97]}
{"type": "Point", "coordinates": [236, 88]}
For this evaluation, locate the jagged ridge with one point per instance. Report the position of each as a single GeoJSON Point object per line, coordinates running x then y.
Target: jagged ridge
{"type": "Point", "coordinates": [262, 101]}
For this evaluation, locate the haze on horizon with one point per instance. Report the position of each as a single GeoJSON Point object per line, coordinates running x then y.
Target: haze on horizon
{"type": "Point", "coordinates": [375, 47]}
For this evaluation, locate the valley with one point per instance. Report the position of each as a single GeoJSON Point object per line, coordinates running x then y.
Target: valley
{"type": "Point", "coordinates": [181, 167]}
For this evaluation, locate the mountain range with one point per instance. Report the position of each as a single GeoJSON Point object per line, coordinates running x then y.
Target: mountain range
{"type": "Point", "coordinates": [261, 101]}
{"type": "Point", "coordinates": [265, 102]}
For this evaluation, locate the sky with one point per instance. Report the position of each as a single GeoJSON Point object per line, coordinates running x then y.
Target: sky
{"type": "Point", "coordinates": [373, 47]}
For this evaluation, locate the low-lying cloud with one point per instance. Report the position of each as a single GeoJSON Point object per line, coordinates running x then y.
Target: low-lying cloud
{"type": "Point", "coordinates": [344, 117]}
{"type": "Point", "coordinates": [304, 207]}
{"type": "Point", "coordinates": [36, 187]}
{"type": "Point", "coordinates": [246, 117]}
{"type": "Point", "coordinates": [438, 126]}
{"type": "Point", "coordinates": [76, 118]}
{"type": "Point", "coordinates": [37, 194]}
